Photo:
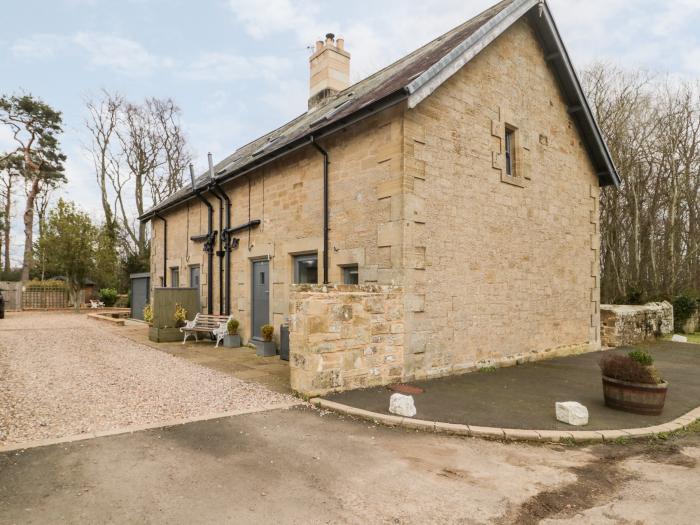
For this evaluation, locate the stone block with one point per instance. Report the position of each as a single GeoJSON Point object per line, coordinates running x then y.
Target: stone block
{"type": "Point", "coordinates": [679, 339]}
{"type": "Point", "coordinates": [402, 405]}
{"type": "Point", "coordinates": [572, 413]}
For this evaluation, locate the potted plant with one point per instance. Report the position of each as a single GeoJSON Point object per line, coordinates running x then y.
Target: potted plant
{"type": "Point", "coordinates": [632, 383]}
{"type": "Point", "coordinates": [148, 314]}
{"type": "Point", "coordinates": [266, 346]}
{"type": "Point", "coordinates": [232, 339]}
{"type": "Point", "coordinates": [180, 316]}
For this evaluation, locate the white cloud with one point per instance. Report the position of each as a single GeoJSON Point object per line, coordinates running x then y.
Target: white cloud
{"type": "Point", "coordinates": [262, 19]}
{"type": "Point", "coordinates": [219, 66]}
{"type": "Point", "coordinates": [39, 46]}
{"type": "Point", "coordinates": [120, 54]}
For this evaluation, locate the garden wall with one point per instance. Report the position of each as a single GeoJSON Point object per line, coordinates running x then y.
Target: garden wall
{"type": "Point", "coordinates": [165, 300]}
{"type": "Point", "coordinates": [345, 336]}
{"type": "Point", "coordinates": [12, 293]}
{"type": "Point", "coordinates": [692, 325]}
{"type": "Point", "coordinates": [623, 325]}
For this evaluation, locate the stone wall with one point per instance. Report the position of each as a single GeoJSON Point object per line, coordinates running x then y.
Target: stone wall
{"type": "Point", "coordinates": [692, 325]}
{"type": "Point", "coordinates": [344, 337]}
{"type": "Point", "coordinates": [12, 293]}
{"type": "Point", "coordinates": [498, 269]}
{"type": "Point", "coordinates": [630, 325]}
{"type": "Point", "coordinates": [287, 197]}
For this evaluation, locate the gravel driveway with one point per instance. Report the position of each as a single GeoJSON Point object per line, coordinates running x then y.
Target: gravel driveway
{"type": "Point", "coordinates": [62, 374]}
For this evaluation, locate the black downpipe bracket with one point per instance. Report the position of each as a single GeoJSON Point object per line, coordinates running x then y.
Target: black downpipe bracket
{"type": "Point", "coordinates": [325, 208]}
{"type": "Point", "coordinates": [208, 245]}
{"type": "Point", "coordinates": [165, 248]}
{"type": "Point", "coordinates": [224, 238]}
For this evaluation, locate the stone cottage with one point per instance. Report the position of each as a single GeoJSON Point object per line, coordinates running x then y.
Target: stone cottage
{"type": "Point", "coordinates": [438, 216]}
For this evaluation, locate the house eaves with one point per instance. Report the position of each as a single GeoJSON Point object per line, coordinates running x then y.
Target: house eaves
{"type": "Point", "coordinates": [413, 78]}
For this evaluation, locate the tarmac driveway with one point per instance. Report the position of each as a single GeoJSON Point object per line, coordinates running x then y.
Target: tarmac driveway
{"type": "Point", "coordinates": [303, 466]}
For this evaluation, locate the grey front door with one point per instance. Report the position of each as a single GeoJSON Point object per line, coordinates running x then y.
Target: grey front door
{"type": "Point", "coordinates": [140, 291]}
{"type": "Point", "coordinates": [260, 303]}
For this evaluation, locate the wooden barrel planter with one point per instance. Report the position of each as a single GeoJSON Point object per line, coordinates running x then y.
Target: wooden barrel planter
{"type": "Point", "coordinates": [638, 398]}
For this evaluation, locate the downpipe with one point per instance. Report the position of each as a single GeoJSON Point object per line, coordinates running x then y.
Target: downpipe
{"type": "Point", "coordinates": [325, 207]}
{"type": "Point", "coordinates": [209, 244]}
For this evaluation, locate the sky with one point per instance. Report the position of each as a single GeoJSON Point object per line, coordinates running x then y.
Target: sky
{"type": "Point", "coordinates": [239, 68]}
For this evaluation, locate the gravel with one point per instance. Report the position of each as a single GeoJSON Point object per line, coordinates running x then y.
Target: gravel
{"type": "Point", "coordinates": [62, 375]}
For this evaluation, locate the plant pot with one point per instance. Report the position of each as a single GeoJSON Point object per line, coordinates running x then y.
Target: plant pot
{"type": "Point", "coordinates": [265, 348]}
{"type": "Point", "coordinates": [637, 398]}
{"type": "Point", "coordinates": [164, 335]}
{"type": "Point", "coordinates": [232, 341]}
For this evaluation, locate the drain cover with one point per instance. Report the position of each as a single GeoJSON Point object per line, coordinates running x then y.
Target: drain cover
{"type": "Point", "coordinates": [405, 389]}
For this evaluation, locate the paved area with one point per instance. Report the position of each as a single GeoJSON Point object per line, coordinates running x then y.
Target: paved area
{"type": "Point", "coordinates": [62, 374]}
{"type": "Point", "coordinates": [304, 467]}
{"type": "Point", "coordinates": [523, 397]}
{"type": "Point", "coordinates": [241, 363]}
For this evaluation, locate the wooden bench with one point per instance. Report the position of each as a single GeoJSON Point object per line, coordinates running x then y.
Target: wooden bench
{"type": "Point", "coordinates": [215, 325]}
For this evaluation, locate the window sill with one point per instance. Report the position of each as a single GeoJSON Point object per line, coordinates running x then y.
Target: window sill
{"type": "Point", "coordinates": [520, 182]}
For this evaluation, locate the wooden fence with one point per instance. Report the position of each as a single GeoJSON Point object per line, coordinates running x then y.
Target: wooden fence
{"type": "Point", "coordinates": [39, 297]}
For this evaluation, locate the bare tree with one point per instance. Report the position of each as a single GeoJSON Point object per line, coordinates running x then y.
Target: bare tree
{"type": "Point", "coordinates": [140, 153]}
{"type": "Point", "coordinates": [102, 121]}
{"type": "Point", "coordinates": [650, 239]}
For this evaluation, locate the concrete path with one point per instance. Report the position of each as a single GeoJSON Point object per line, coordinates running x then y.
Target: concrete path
{"type": "Point", "coordinates": [523, 397]}
{"type": "Point", "coordinates": [305, 467]}
{"type": "Point", "coordinates": [241, 363]}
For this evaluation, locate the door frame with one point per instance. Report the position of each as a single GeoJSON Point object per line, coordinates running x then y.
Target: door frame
{"type": "Point", "coordinates": [253, 261]}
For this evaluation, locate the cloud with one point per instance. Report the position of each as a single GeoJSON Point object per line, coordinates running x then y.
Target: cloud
{"type": "Point", "coordinates": [217, 66]}
{"type": "Point", "coordinates": [120, 54]}
{"type": "Point", "coordinates": [262, 19]}
{"type": "Point", "coordinates": [39, 46]}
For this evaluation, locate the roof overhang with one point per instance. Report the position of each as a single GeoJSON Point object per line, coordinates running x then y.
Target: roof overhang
{"type": "Point", "coordinates": [432, 78]}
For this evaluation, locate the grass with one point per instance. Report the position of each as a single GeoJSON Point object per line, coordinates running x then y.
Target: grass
{"type": "Point", "coordinates": [692, 338]}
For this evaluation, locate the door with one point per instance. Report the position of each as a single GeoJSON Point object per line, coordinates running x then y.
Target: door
{"type": "Point", "coordinates": [260, 304]}
{"type": "Point", "coordinates": [140, 291]}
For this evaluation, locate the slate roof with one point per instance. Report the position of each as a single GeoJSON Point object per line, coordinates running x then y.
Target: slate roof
{"type": "Point", "coordinates": [388, 86]}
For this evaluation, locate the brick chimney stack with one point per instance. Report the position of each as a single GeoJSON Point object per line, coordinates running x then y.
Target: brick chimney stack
{"type": "Point", "coordinates": [330, 69]}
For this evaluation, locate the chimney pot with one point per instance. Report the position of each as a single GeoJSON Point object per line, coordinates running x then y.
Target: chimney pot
{"type": "Point", "coordinates": [330, 70]}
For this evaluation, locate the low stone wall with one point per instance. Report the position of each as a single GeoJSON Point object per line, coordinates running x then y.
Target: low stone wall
{"type": "Point", "coordinates": [343, 337]}
{"type": "Point", "coordinates": [692, 325]}
{"type": "Point", "coordinates": [629, 325]}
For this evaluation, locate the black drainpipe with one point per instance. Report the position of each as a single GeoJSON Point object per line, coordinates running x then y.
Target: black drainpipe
{"type": "Point", "coordinates": [208, 245]}
{"type": "Point", "coordinates": [325, 208]}
{"type": "Point", "coordinates": [220, 251]}
{"type": "Point", "coordinates": [227, 244]}
{"type": "Point", "coordinates": [165, 248]}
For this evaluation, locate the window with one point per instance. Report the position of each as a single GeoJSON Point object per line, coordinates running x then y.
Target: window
{"type": "Point", "coordinates": [174, 277]}
{"type": "Point", "coordinates": [306, 269]}
{"type": "Point", "coordinates": [351, 274]}
{"type": "Point", "coordinates": [194, 276]}
{"type": "Point", "coordinates": [510, 152]}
